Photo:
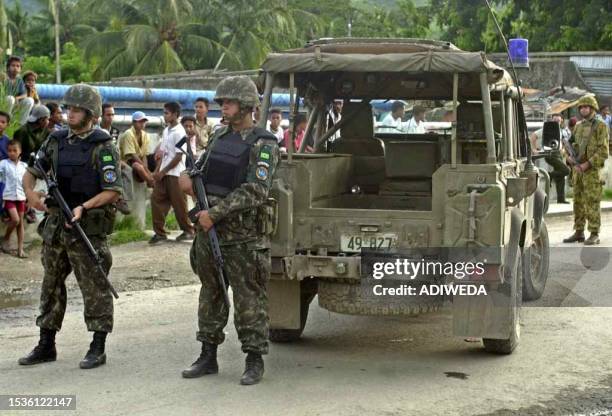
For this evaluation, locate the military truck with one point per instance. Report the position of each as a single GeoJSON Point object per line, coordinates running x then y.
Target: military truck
{"type": "Point", "coordinates": [471, 184]}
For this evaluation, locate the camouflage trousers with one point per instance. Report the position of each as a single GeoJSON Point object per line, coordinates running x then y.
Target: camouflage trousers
{"type": "Point", "coordinates": [587, 197]}
{"type": "Point", "coordinates": [69, 254]}
{"type": "Point", "coordinates": [247, 271]}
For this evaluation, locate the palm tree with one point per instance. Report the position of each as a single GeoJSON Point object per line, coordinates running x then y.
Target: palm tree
{"type": "Point", "coordinates": [5, 34]}
{"type": "Point", "coordinates": [152, 37]}
{"type": "Point", "coordinates": [251, 29]}
{"type": "Point", "coordinates": [65, 17]}
{"type": "Point", "coordinates": [17, 25]}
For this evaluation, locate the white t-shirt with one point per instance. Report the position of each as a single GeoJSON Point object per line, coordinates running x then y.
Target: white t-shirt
{"type": "Point", "coordinates": [280, 133]}
{"type": "Point", "coordinates": [414, 127]}
{"type": "Point", "coordinates": [11, 174]}
{"type": "Point", "coordinates": [170, 137]}
{"type": "Point", "coordinates": [391, 124]}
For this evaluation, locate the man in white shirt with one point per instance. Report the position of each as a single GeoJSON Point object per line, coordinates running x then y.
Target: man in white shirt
{"type": "Point", "coordinates": [415, 125]}
{"type": "Point", "coordinates": [276, 116]}
{"type": "Point", "coordinates": [166, 192]}
{"type": "Point", "coordinates": [392, 123]}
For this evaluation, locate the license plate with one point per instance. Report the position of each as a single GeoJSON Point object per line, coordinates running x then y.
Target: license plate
{"type": "Point", "coordinates": [354, 243]}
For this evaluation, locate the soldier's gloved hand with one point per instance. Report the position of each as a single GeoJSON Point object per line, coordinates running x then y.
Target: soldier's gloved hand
{"type": "Point", "coordinates": [204, 220]}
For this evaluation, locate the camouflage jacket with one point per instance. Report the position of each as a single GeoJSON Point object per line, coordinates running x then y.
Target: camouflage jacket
{"type": "Point", "coordinates": [591, 142]}
{"type": "Point", "coordinates": [238, 216]}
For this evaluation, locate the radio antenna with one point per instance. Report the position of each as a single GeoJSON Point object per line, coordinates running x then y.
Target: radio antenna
{"type": "Point", "coordinates": [517, 82]}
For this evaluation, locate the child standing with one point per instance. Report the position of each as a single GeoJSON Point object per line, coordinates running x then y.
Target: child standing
{"type": "Point", "coordinates": [197, 145]}
{"type": "Point", "coordinates": [5, 118]}
{"type": "Point", "coordinates": [11, 173]}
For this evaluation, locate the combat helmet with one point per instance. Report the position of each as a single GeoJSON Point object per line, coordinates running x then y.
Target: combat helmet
{"type": "Point", "coordinates": [240, 88]}
{"type": "Point", "coordinates": [590, 101]}
{"type": "Point", "coordinates": [84, 96]}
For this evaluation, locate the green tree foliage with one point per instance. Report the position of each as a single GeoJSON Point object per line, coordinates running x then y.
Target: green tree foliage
{"type": "Point", "coordinates": [74, 67]}
{"type": "Point", "coordinates": [249, 30]}
{"type": "Point", "coordinates": [563, 25]}
{"type": "Point", "coordinates": [139, 37]}
{"type": "Point", "coordinates": [150, 37]}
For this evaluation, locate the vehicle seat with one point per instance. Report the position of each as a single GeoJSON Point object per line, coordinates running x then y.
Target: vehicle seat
{"type": "Point", "coordinates": [357, 139]}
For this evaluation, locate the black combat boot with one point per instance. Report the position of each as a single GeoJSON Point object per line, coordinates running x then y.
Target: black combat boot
{"type": "Point", "coordinates": [592, 240]}
{"type": "Point", "coordinates": [577, 237]}
{"type": "Point", "coordinates": [44, 351]}
{"type": "Point", "coordinates": [254, 369]}
{"type": "Point", "coordinates": [205, 364]}
{"type": "Point", "coordinates": [95, 357]}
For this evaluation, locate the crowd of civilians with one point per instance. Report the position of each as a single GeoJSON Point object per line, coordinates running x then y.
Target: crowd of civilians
{"type": "Point", "coordinates": [143, 167]}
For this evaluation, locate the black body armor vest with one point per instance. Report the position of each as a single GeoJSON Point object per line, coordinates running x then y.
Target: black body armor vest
{"type": "Point", "coordinates": [77, 177]}
{"type": "Point", "coordinates": [228, 162]}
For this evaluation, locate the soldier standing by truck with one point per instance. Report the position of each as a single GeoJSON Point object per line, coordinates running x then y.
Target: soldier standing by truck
{"type": "Point", "coordinates": [591, 146]}
{"type": "Point", "coordinates": [86, 164]}
{"type": "Point", "coordinates": [238, 164]}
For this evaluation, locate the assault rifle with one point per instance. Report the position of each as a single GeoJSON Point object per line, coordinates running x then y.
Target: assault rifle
{"type": "Point", "coordinates": [53, 189]}
{"type": "Point", "coordinates": [202, 205]}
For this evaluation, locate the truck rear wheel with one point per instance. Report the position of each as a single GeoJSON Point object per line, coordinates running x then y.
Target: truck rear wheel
{"type": "Point", "coordinates": [536, 260]}
{"type": "Point", "coordinates": [357, 299]}
{"type": "Point", "coordinates": [308, 290]}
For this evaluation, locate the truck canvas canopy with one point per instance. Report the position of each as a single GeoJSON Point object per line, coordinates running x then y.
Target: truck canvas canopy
{"type": "Point", "coordinates": [390, 56]}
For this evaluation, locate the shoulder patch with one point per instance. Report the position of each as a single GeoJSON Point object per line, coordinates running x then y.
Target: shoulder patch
{"type": "Point", "coordinates": [261, 173]}
{"type": "Point", "coordinates": [110, 176]}
{"type": "Point", "coordinates": [265, 153]}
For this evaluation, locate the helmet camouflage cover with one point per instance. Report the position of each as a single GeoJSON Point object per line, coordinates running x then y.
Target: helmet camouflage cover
{"type": "Point", "coordinates": [84, 96]}
{"type": "Point", "coordinates": [590, 101]}
{"type": "Point", "coordinates": [240, 88]}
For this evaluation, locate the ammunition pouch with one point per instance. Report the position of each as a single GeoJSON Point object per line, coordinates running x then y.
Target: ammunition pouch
{"type": "Point", "coordinates": [98, 222]}
{"type": "Point", "coordinates": [267, 217]}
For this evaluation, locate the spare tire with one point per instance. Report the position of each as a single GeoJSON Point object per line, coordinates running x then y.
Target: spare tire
{"type": "Point", "coordinates": [357, 299]}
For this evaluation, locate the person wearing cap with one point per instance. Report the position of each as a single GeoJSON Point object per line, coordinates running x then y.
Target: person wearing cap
{"type": "Point", "coordinates": [134, 148]}
{"type": "Point", "coordinates": [590, 141]}
{"type": "Point", "coordinates": [34, 132]}
{"type": "Point", "coordinates": [29, 79]}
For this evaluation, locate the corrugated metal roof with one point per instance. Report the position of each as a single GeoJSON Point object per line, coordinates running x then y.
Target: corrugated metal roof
{"type": "Point", "coordinates": [597, 72]}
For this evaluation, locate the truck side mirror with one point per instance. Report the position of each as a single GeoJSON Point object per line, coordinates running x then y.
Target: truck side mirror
{"type": "Point", "coordinates": [551, 135]}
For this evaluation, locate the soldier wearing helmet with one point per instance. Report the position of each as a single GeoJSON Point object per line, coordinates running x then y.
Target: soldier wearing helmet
{"type": "Point", "coordinates": [239, 163]}
{"type": "Point", "coordinates": [85, 164]}
{"type": "Point", "coordinates": [590, 141]}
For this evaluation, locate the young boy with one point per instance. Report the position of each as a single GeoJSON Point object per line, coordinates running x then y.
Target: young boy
{"type": "Point", "coordinates": [11, 172]}
{"type": "Point", "coordinates": [5, 118]}
{"type": "Point", "coordinates": [189, 124]}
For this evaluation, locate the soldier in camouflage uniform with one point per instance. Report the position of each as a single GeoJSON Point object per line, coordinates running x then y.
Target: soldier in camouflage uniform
{"type": "Point", "coordinates": [86, 165]}
{"type": "Point", "coordinates": [239, 164]}
{"type": "Point", "coordinates": [591, 146]}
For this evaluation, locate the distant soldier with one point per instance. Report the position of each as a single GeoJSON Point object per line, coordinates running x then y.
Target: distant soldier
{"type": "Point", "coordinates": [239, 162]}
{"type": "Point", "coordinates": [86, 164]}
{"type": "Point", "coordinates": [591, 145]}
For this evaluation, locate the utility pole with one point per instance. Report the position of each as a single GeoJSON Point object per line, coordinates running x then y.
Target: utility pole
{"type": "Point", "coordinates": [54, 4]}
